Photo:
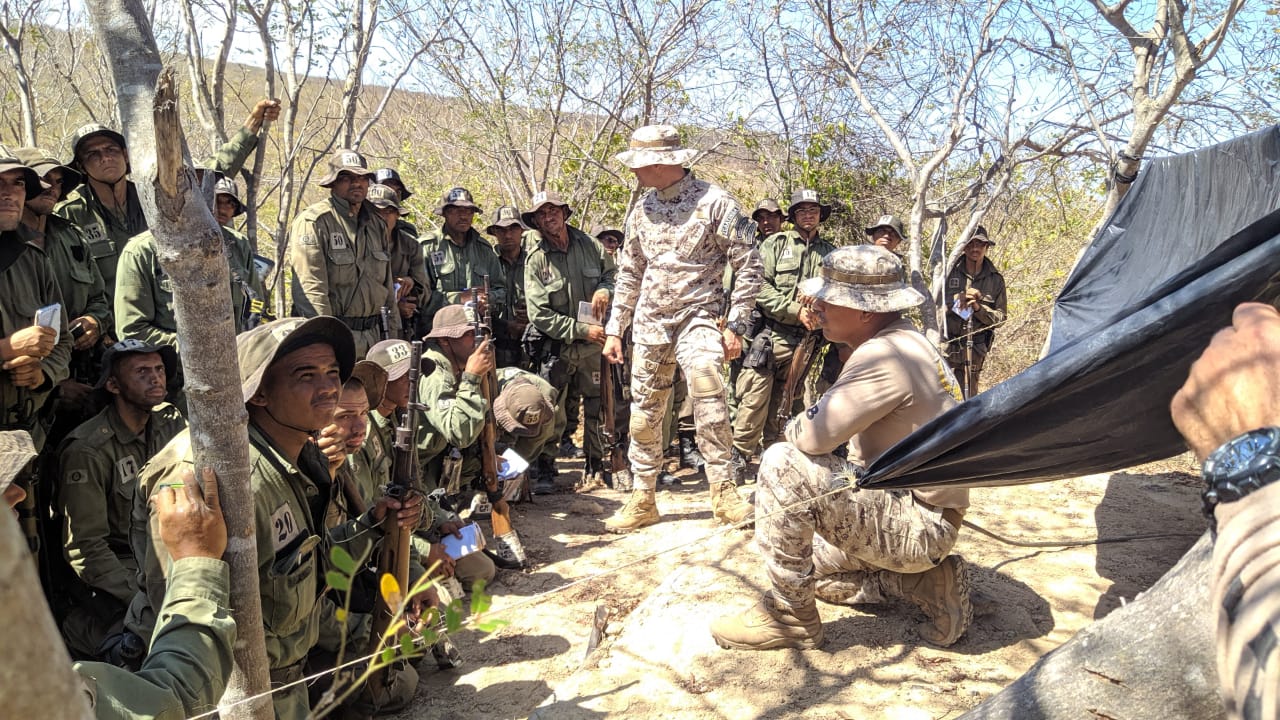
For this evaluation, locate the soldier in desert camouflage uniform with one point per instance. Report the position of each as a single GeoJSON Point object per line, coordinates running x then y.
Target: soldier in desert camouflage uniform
{"type": "Point", "coordinates": [670, 283]}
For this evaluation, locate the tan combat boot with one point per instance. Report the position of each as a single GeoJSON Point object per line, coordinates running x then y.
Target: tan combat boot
{"type": "Point", "coordinates": [943, 594]}
{"type": "Point", "coordinates": [727, 505]}
{"type": "Point", "coordinates": [770, 624]}
{"type": "Point", "coordinates": [640, 510]}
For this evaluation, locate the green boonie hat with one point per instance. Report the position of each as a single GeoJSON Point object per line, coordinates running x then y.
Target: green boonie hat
{"type": "Point", "coordinates": [84, 132]}
{"type": "Point", "coordinates": [800, 197]}
{"type": "Point", "coordinates": [43, 163]}
{"type": "Point", "coordinates": [600, 231]}
{"type": "Point", "coordinates": [453, 321]}
{"type": "Point", "coordinates": [31, 179]}
{"type": "Point", "coordinates": [227, 186]}
{"type": "Point", "coordinates": [381, 175]}
{"type": "Point", "coordinates": [980, 233]}
{"type": "Point", "coordinates": [374, 379]}
{"type": "Point", "coordinates": [889, 221]}
{"type": "Point", "coordinates": [385, 196]}
{"type": "Point", "coordinates": [348, 161]}
{"type": "Point", "coordinates": [862, 277]}
{"type": "Point", "coordinates": [767, 205]}
{"type": "Point", "coordinates": [545, 198]}
{"type": "Point", "coordinates": [521, 408]}
{"type": "Point", "coordinates": [258, 348]}
{"type": "Point", "coordinates": [16, 451]}
{"type": "Point", "coordinates": [505, 216]}
{"type": "Point", "coordinates": [136, 347]}
{"type": "Point", "coordinates": [457, 197]}
{"type": "Point", "coordinates": [393, 356]}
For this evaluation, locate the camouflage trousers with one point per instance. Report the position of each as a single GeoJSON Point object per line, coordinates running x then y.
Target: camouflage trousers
{"type": "Point", "coordinates": [862, 538]}
{"type": "Point", "coordinates": [700, 354]}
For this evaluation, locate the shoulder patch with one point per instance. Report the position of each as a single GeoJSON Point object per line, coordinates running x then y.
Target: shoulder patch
{"type": "Point", "coordinates": [75, 477]}
{"type": "Point", "coordinates": [736, 227]}
{"type": "Point", "coordinates": [284, 527]}
{"type": "Point", "coordinates": [444, 403]}
{"type": "Point", "coordinates": [309, 240]}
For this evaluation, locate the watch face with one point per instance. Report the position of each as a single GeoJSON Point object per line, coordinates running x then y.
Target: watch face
{"type": "Point", "coordinates": [1240, 454]}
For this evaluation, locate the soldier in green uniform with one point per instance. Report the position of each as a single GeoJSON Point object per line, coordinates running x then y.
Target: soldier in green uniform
{"type": "Point", "coordinates": [415, 286]}
{"type": "Point", "coordinates": [525, 411]}
{"type": "Point", "coordinates": [342, 257]}
{"type": "Point", "coordinates": [567, 267]}
{"type": "Point", "coordinates": [459, 256]}
{"type": "Point", "coordinates": [97, 479]}
{"type": "Point", "coordinates": [789, 258]}
{"type": "Point", "coordinates": [512, 316]}
{"type": "Point", "coordinates": [886, 232]}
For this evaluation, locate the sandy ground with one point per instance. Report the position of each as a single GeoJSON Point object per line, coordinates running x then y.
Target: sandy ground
{"type": "Point", "coordinates": [657, 659]}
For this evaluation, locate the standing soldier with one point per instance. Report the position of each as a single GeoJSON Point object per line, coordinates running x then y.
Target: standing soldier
{"type": "Point", "coordinates": [681, 236]}
{"type": "Point", "coordinates": [567, 268]}
{"type": "Point", "coordinates": [975, 305]}
{"type": "Point", "coordinates": [415, 289]}
{"type": "Point", "coordinates": [789, 258]}
{"type": "Point", "coordinates": [341, 257]}
{"type": "Point", "coordinates": [611, 239]}
{"type": "Point", "coordinates": [768, 216]}
{"type": "Point", "coordinates": [512, 317]}
{"type": "Point", "coordinates": [459, 256]}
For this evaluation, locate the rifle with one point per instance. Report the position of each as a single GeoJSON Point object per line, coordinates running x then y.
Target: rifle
{"type": "Point", "coordinates": [966, 388]}
{"type": "Point", "coordinates": [801, 362]}
{"type": "Point", "coordinates": [384, 323]}
{"type": "Point", "coordinates": [610, 394]}
{"type": "Point", "coordinates": [504, 535]}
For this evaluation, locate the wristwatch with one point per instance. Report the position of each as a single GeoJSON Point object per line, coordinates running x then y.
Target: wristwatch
{"type": "Point", "coordinates": [737, 327]}
{"type": "Point", "coordinates": [1240, 466]}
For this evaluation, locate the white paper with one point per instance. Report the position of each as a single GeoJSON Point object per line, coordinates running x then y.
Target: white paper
{"type": "Point", "coordinates": [964, 312]}
{"type": "Point", "coordinates": [472, 541]}
{"type": "Point", "coordinates": [512, 465]}
{"type": "Point", "coordinates": [587, 315]}
{"type": "Point", "coordinates": [48, 316]}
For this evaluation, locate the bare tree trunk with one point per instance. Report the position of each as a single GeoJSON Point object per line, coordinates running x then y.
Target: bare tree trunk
{"type": "Point", "coordinates": [190, 249]}
{"type": "Point", "coordinates": [1152, 659]}
{"type": "Point", "coordinates": [36, 680]}
{"type": "Point", "coordinates": [26, 94]}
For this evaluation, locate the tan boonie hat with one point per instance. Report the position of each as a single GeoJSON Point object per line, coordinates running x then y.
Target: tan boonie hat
{"type": "Point", "coordinates": [348, 161]}
{"type": "Point", "coordinates": [545, 198]}
{"type": "Point", "coordinates": [16, 450]}
{"type": "Point", "coordinates": [133, 346]}
{"type": "Point", "coordinates": [374, 379]}
{"type": "Point", "coordinates": [505, 216]}
{"type": "Point", "coordinates": [385, 196]}
{"type": "Point", "coordinates": [227, 186]}
{"type": "Point", "coordinates": [767, 205]}
{"type": "Point", "coordinates": [393, 356]}
{"type": "Point", "coordinates": [889, 221]}
{"type": "Point", "coordinates": [453, 321]}
{"type": "Point", "coordinates": [258, 348]}
{"type": "Point", "coordinates": [980, 233]}
{"type": "Point", "coordinates": [521, 408]}
{"type": "Point", "coordinates": [457, 197]}
{"type": "Point", "coordinates": [800, 197]}
{"type": "Point", "coordinates": [31, 179]}
{"type": "Point", "coordinates": [655, 145]}
{"type": "Point", "coordinates": [862, 277]}
{"type": "Point", "coordinates": [43, 163]}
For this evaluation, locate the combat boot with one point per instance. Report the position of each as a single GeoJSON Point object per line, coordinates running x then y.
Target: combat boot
{"type": "Point", "coordinates": [640, 511]}
{"type": "Point", "coordinates": [568, 449]}
{"type": "Point", "coordinates": [942, 593]}
{"type": "Point", "coordinates": [543, 474]}
{"type": "Point", "coordinates": [727, 505]}
{"type": "Point", "coordinates": [770, 624]}
{"type": "Point", "coordinates": [690, 455]}
{"type": "Point", "coordinates": [737, 466]}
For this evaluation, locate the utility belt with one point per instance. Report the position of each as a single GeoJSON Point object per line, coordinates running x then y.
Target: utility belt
{"type": "Point", "coordinates": [787, 333]}
{"type": "Point", "coordinates": [289, 673]}
{"type": "Point", "coordinates": [361, 323]}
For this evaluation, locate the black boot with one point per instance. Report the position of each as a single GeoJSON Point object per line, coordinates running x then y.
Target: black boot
{"type": "Point", "coordinates": [737, 466]}
{"type": "Point", "coordinates": [543, 475]}
{"type": "Point", "coordinates": [690, 456]}
{"type": "Point", "coordinates": [568, 449]}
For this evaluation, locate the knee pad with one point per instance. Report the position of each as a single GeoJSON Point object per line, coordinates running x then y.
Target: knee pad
{"type": "Point", "coordinates": [705, 382]}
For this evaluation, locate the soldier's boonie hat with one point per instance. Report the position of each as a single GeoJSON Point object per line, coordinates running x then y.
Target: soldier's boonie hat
{"type": "Point", "coordinates": [374, 379]}
{"type": "Point", "coordinates": [505, 216]}
{"type": "Point", "coordinates": [862, 277]}
{"type": "Point", "coordinates": [601, 231]}
{"type": "Point", "coordinates": [889, 221]}
{"type": "Point", "coordinates": [258, 348]}
{"type": "Point", "coordinates": [384, 174]}
{"type": "Point", "coordinates": [348, 161]}
{"type": "Point", "coordinates": [168, 356]}
{"type": "Point", "coordinates": [767, 205]}
{"type": "Point", "coordinates": [393, 356]}
{"type": "Point", "coordinates": [385, 196]}
{"type": "Point", "coordinates": [31, 179]}
{"type": "Point", "coordinates": [92, 130]}
{"type": "Point", "coordinates": [521, 408]}
{"type": "Point", "coordinates": [16, 450]}
{"type": "Point", "coordinates": [800, 197]}
{"type": "Point", "coordinates": [980, 233]}
{"type": "Point", "coordinates": [227, 186]}
{"type": "Point", "coordinates": [453, 321]}
{"type": "Point", "coordinates": [655, 145]}
{"type": "Point", "coordinates": [541, 199]}
{"type": "Point", "coordinates": [42, 163]}
{"type": "Point", "coordinates": [457, 197]}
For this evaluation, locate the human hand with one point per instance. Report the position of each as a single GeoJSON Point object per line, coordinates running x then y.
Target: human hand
{"type": "Point", "coordinates": [408, 510]}
{"type": "Point", "coordinates": [407, 306]}
{"type": "Point", "coordinates": [1235, 385]}
{"type": "Point", "coordinates": [92, 331]}
{"type": "Point", "coordinates": [406, 285]}
{"type": "Point", "coordinates": [25, 371]}
{"type": "Point", "coordinates": [732, 345]}
{"type": "Point", "coordinates": [613, 350]}
{"type": "Point", "coordinates": [481, 360]}
{"type": "Point", "coordinates": [437, 554]}
{"type": "Point", "coordinates": [74, 393]}
{"type": "Point", "coordinates": [452, 527]}
{"type": "Point", "coordinates": [809, 318]}
{"type": "Point", "coordinates": [600, 304]}
{"type": "Point", "coordinates": [595, 334]}
{"type": "Point", "coordinates": [36, 341]}
{"type": "Point", "coordinates": [973, 297]}
{"type": "Point", "coordinates": [190, 517]}
{"type": "Point", "coordinates": [266, 109]}
{"type": "Point", "coordinates": [332, 443]}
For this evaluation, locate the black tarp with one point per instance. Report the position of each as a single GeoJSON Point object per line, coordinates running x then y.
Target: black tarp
{"type": "Point", "coordinates": [1196, 235]}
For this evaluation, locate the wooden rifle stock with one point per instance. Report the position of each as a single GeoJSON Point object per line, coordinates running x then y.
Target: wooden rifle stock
{"type": "Point", "coordinates": [801, 362]}
{"type": "Point", "coordinates": [500, 518]}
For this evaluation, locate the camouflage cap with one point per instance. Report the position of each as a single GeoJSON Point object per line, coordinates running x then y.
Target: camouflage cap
{"type": "Point", "coordinates": [980, 233]}
{"type": "Point", "coordinates": [385, 196]}
{"type": "Point", "coordinates": [382, 175]}
{"type": "Point", "coordinates": [453, 321]}
{"type": "Point", "coordinates": [42, 162]}
{"type": "Point", "coordinates": [34, 185]}
{"type": "Point", "coordinates": [132, 346]}
{"type": "Point", "coordinates": [393, 356]}
{"type": "Point", "coordinates": [541, 199]}
{"type": "Point", "coordinates": [457, 197]}
{"type": "Point", "coordinates": [258, 348]}
{"type": "Point", "coordinates": [16, 451]}
{"type": "Point", "coordinates": [227, 186]}
{"type": "Point", "coordinates": [655, 145]}
{"type": "Point", "coordinates": [767, 205]}
{"type": "Point", "coordinates": [505, 216]}
{"type": "Point", "coordinates": [889, 221]}
{"type": "Point", "coordinates": [862, 277]}
{"type": "Point", "coordinates": [345, 161]}
{"type": "Point", "coordinates": [373, 377]}
{"type": "Point", "coordinates": [521, 409]}
{"type": "Point", "coordinates": [84, 132]}
{"type": "Point", "coordinates": [804, 196]}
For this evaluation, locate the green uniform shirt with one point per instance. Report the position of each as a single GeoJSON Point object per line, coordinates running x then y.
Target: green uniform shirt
{"type": "Point", "coordinates": [514, 307]}
{"type": "Point", "coordinates": [100, 461]}
{"type": "Point", "coordinates": [78, 276]}
{"type": "Point", "coordinates": [453, 415]}
{"type": "Point", "coordinates": [190, 657]}
{"type": "Point", "coordinates": [555, 281]}
{"type": "Point", "coordinates": [107, 231]}
{"type": "Point", "coordinates": [788, 260]}
{"type": "Point", "coordinates": [231, 157]}
{"type": "Point", "coordinates": [461, 268]}
{"type": "Point", "coordinates": [407, 261]}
